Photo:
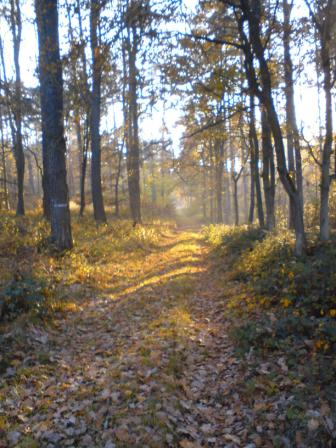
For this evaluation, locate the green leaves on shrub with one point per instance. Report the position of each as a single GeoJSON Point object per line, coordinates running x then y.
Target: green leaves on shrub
{"type": "Point", "coordinates": [23, 295]}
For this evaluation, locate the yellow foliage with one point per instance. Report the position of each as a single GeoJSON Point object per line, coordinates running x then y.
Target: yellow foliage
{"type": "Point", "coordinates": [286, 302]}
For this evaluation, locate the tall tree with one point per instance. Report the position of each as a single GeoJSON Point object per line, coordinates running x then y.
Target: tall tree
{"type": "Point", "coordinates": [13, 99]}
{"type": "Point", "coordinates": [248, 16]}
{"type": "Point", "coordinates": [97, 63]}
{"type": "Point", "coordinates": [16, 28]}
{"type": "Point", "coordinates": [255, 175]}
{"type": "Point", "coordinates": [268, 174]}
{"type": "Point", "coordinates": [323, 14]}
{"type": "Point", "coordinates": [51, 91]}
{"type": "Point", "coordinates": [293, 141]}
{"type": "Point", "coordinates": [132, 111]}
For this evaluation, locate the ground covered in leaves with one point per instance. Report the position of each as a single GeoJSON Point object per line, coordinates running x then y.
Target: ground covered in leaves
{"type": "Point", "coordinates": [140, 351]}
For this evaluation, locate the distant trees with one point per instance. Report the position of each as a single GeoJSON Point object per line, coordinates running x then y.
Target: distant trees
{"type": "Point", "coordinates": [323, 16]}
{"type": "Point", "coordinates": [230, 65]}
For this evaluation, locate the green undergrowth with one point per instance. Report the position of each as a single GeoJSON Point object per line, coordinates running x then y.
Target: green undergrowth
{"type": "Point", "coordinates": [38, 280]}
{"type": "Point", "coordinates": [283, 319]}
{"type": "Point", "coordinates": [301, 291]}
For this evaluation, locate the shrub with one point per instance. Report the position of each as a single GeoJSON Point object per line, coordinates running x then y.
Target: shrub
{"type": "Point", "coordinates": [232, 241]}
{"type": "Point", "coordinates": [22, 295]}
{"type": "Point", "coordinates": [307, 284]}
{"type": "Point", "coordinates": [300, 291]}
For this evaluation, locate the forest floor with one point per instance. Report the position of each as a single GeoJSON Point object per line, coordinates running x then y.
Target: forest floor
{"type": "Point", "coordinates": [147, 361]}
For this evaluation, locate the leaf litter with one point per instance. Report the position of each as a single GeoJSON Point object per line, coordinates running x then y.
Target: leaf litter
{"type": "Point", "coordinates": [147, 364]}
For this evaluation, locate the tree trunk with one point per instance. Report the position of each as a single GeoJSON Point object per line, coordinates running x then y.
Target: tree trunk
{"type": "Point", "coordinates": [219, 152]}
{"type": "Point", "coordinates": [255, 47]}
{"type": "Point", "coordinates": [252, 184]}
{"type": "Point", "coordinates": [268, 172]}
{"type": "Point", "coordinates": [204, 184]}
{"type": "Point", "coordinates": [3, 161]}
{"type": "Point", "coordinates": [133, 153]}
{"type": "Point", "coordinates": [245, 189]}
{"type": "Point", "coordinates": [31, 175]}
{"type": "Point", "coordinates": [211, 183]}
{"type": "Point", "coordinates": [235, 201]}
{"type": "Point", "coordinates": [117, 181]}
{"type": "Point", "coordinates": [16, 28]}
{"type": "Point", "coordinates": [97, 60]}
{"type": "Point", "coordinates": [293, 141]}
{"type": "Point", "coordinates": [83, 147]}
{"type": "Point", "coordinates": [255, 164]}
{"type": "Point", "coordinates": [51, 90]}
{"type": "Point", "coordinates": [327, 146]}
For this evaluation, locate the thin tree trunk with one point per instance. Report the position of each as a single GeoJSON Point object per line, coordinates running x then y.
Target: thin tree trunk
{"type": "Point", "coordinates": [219, 152]}
{"type": "Point", "coordinates": [16, 28]}
{"type": "Point", "coordinates": [87, 108]}
{"type": "Point", "coordinates": [268, 172]}
{"type": "Point", "coordinates": [117, 181]}
{"type": "Point", "coordinates": [3, 159]}
{"type": "Point", "coordinates": [211, 183]}
{"type": "Point", "coordinates": [97, 59]}
{"type": "Point", "coordinates": [204, 184]}
{"type": "Point", "coordinates": [252, 187]}
{"type": "Point", "coordinates": [255, 47]}
{"type": "Point", "coordinates": [293, 141]}
{"type": "Point", "coordinates": [235, 201]}
{"type": "Point", "coordinates": [245, 189]}
{"type": "Point", "coordinates": [255, 167]}
{"type": "Point", "coordinates": [326, 153]}
{"type": "Point", "coordinates": [82, 156]}
{"type": "Point", "coordinates": [133, 153]}
{"type": "Point", "coordinates": [31, 175]}
{"type": "Point", "coordinates": [327, 146]}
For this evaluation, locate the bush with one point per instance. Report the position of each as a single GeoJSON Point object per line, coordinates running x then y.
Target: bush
{"type": "Point", "coordinates": [300, 292]}
{"type": "Point", "coordinates": [23, 295]}
{"type": "Point", "coordinates": [233, 241]}
{"type": "Point", "coordinates": [308, 284]}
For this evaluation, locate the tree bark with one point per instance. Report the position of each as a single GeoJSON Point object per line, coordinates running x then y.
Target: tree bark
{"type": "Point", "coordinates": [255, 162]}
{"type": "Point", "coordinates": [327, 149]}
{"type": "Point", "coordinates": [235, 201]}
{"type": "Point", "coordinates": [268, 172]}
{"type": "Point", "coordinates": [293, 140]}
{"type": "Point", "coordinates": [323, 25]}
{"type": "Point", "coordinates": [117, 182]}
{"type": "Point", "coordinates": [219, 152]}
{"type": "Point", "coordinates": [31, 175]}
{"type": "Point", "coordinates": [16, 28]}
{"type": "Point", "coordinates": [251, 48]}
{"type": "Point", "coordinates": [245, 190]}
{"type": "Point", "coordinates": [252, 181]}
{"type": "Point", "coordinates": [204, 184]}
{"type": "Point", "coordinates": [211, 183]}
{"type": "Point", "coordinates": [3, 160]}
{"type": "Point", "coordinates": [133, 153]}
{"type": "Point", "coordinates": [51, 90]}
{"type": "Point", "coordinates": [96, 184]}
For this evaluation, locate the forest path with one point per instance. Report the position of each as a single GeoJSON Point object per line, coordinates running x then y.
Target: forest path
{"type": "Point", "coordinates": [146, 363]}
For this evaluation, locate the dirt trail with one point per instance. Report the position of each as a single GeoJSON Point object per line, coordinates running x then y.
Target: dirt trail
{"type": "Point", "coordinates": [145, 363]}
